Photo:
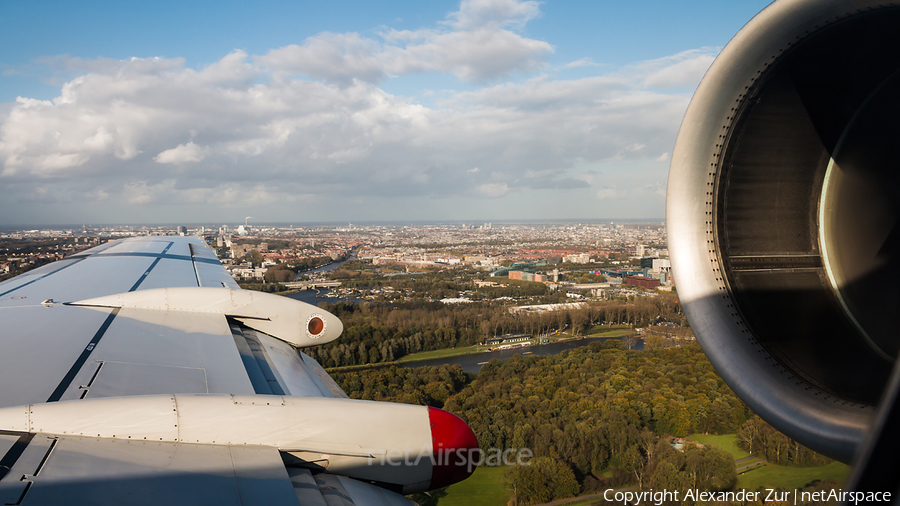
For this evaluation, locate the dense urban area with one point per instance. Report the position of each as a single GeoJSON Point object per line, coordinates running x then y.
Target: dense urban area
{"type": "Point", "coordinates": [632, 404]}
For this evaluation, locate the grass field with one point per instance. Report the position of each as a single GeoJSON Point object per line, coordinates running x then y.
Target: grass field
{"type": "Point", "coordinates": [584, 502]}
{"type": "Point", "coordinates": [604, 334]}
{"type": "Point", "coordinates": [481, 489]}
{"type": "Point", "coordinates": [449, 352]}
{"type": "Point", "coordinates": [348, 368]}
{"type": "Point", "coordinates": [615, 331]}
{"type": "Point", "coordinates": [424, 355]}
{"type": "Point", "coordinates": [725, 442]}
{"type": "Point", "coordinates": [772, 476]}
{"type": "Point", "coordinates": [610, 331]}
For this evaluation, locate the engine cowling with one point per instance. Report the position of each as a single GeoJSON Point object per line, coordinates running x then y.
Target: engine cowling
{"type": "Point", "coordinates": [783, 215]}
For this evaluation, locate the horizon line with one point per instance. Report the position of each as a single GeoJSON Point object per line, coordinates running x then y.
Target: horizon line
{"type": "Point", "coordinates": [334, 223]}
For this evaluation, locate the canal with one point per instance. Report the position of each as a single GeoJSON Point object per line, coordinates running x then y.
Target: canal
{"type": "Point", "coordinates": [326, 268]}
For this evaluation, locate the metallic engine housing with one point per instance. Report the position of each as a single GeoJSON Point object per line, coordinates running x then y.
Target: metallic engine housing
{"type": "Point", "coordinates": [744, 189]}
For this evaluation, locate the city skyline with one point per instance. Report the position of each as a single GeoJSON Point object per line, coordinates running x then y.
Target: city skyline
{"type": "Point", "coordinates": [480, 110]}
{"type": "Point", "coordinates": [142, 227]}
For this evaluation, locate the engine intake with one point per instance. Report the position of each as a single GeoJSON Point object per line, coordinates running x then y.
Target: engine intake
{"type": "Point", "coordinates": [784, 215]}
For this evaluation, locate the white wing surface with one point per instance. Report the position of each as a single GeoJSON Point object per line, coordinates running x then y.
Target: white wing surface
{"type": "Point", "coordinates": [138, 372]}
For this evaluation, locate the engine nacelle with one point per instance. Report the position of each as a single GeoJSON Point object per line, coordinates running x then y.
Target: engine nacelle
{"type": "Point", "coordinates": [783, 215]}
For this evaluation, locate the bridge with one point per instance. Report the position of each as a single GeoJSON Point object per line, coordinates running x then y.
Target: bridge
{"type": "Point", "coordinates": [307, 285]}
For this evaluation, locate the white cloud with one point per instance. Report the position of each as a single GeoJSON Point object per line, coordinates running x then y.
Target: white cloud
{"type": "Point", "coordinates": [40, 195]}
{"type": "Point", "coordinates": [493, 189]}
{"type": "Point", "coordinates": [474, 14]}
{"type": "Point", "coordinates": [684, 69]}
{"type": "Point", "coordinates": [183, 153]}
{"type": "Point", "coordinates": [583, 62]}
{"type": "Point", "coordinates": [109, 65]}
{"type": "Point", "coordinates": [350, 139]}
{"type": "Point", "coordinates": [476, 44]}
{"type": "Point", "coordinates": [607, 194]}
{"type": "Point", "coordinates": [100, 141]}
{"type": "Point", "coordinates": [475, 56]}
{"type": "Point", "coordinates": [656, 188]}
{"type": "Point", "coordinates": [95, 195]}
{"type": "Point", "coordinates": [333, 56]}
{"type": "Point", "coordinates": [586, 177]}
{"type": "Point", "coordinates": [246, 129]}
{"type": "Point", "coordinates": [139, 192]}
{"type": "Point", "coordinates": [57, 161]}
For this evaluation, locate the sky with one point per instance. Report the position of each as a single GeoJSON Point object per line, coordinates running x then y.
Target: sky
{"type": "Point", "coordinates": [298, 112]}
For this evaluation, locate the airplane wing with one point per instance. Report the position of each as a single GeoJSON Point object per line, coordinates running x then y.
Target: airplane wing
{"type": "Point", "coordinates": [137, 372]}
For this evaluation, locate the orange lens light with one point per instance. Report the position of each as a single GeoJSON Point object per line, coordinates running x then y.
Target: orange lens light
{"type": "Point", "coordinates": [315, 326]}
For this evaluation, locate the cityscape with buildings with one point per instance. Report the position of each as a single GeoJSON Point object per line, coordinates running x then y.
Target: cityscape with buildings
{"type": "Point", "coordinates": [594, 260]}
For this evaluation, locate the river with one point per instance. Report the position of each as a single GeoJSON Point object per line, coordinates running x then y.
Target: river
{"type": "Point", "coordinates": [472, 363]}
{"type": "Point", "coordinates": [314, 297]}
{"type": "Point", "coordinates": [328, 267]}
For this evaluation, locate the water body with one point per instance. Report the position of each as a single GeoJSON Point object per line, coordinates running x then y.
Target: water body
{"type": "Point", "coordinates": [314, 297]}
{"type": "Point", "coordinates": [473, 363]}
{"type": "Point", "coordinates": [328, 267]}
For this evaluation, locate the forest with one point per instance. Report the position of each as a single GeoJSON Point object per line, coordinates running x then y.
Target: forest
{"type": "Point", "coordinates": [596, 417]}
{"type": "Point", "coordinates": [380, 333]}
{"type": "Point", "coordinates": [439, 285]}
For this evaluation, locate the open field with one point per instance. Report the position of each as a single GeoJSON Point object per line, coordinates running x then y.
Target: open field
{"type": "Point", "coordinates": [424, 355]}
{"type": "Point", "coordinates": [348, 368]}
{"type": "Point", "coordinates": [610, 330]}
{"type": "Point", "coordinates": [468, 350]}
{"type": "Point", "coordinates": [772, 476]}
{"type": "Point", "coordinates": [725, 442]}
{"type": "Point", "coordinates": [481, 489]}
{"type": "Point", "coordinates": [449, 352]}
{"type": "Point", "coordinates": [599, 331]}
{"type": "Point", "coordinates": [583, 502]}
{"type": "Point", "coordinates": [610, 333]}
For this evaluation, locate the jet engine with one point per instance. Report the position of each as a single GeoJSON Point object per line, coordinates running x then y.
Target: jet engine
{"type": "Point", "coordinates": [783, 216]}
